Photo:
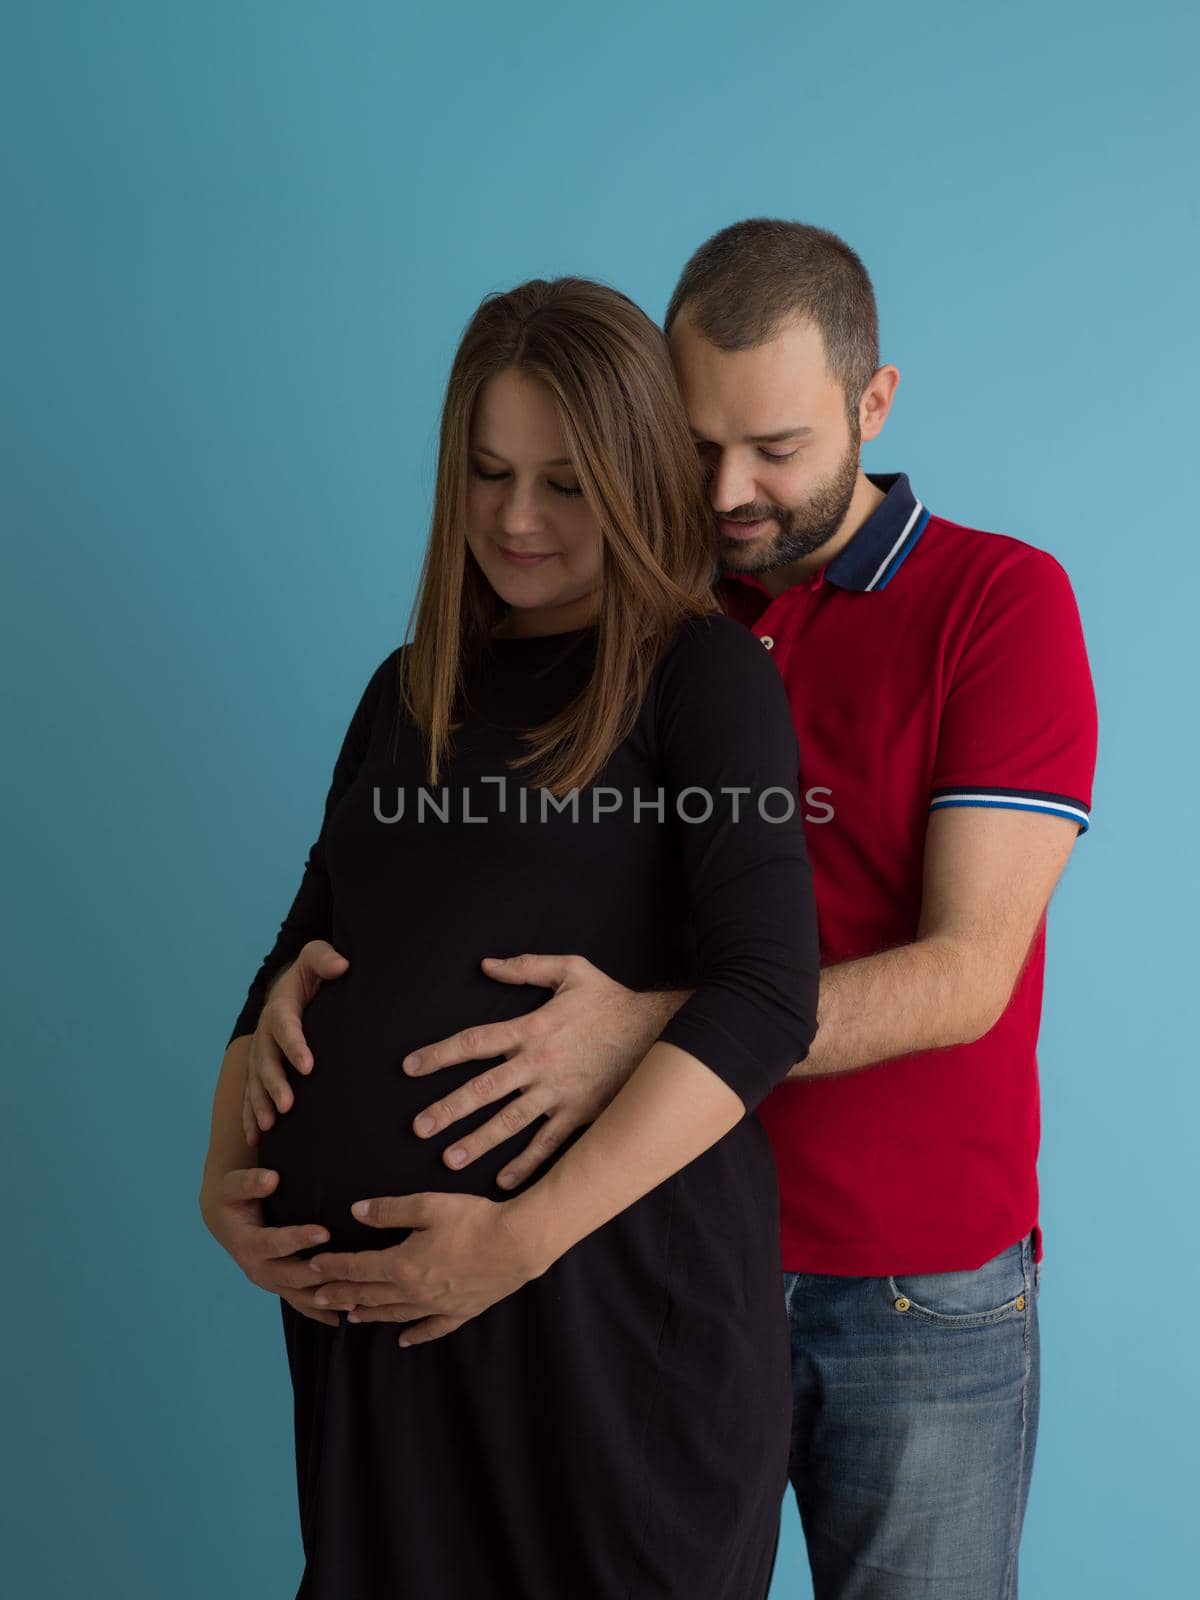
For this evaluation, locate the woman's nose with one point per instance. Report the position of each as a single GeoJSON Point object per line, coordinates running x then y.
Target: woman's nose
{"type": "Point", "coordinates": [520, 513]}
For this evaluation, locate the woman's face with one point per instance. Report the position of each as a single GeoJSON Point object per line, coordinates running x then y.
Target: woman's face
{"type": "Point", "coordinates": [524, 501]}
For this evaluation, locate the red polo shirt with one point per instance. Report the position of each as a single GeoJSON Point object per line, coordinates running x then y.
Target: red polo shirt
{"type": "Point", "coordinates": [927, 665]}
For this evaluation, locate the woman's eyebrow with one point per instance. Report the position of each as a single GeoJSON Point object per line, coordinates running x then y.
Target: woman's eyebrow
{"type": "Point", "coordinates": [484, 451]}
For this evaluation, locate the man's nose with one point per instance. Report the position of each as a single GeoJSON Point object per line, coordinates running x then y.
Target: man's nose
{"type": "Point", "coordinates": [730, 486]}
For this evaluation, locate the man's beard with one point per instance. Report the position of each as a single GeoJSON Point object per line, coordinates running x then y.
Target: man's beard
{"type": "Point", "coordinates": [801, 529]}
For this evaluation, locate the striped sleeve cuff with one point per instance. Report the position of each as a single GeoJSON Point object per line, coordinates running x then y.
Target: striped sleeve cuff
{"type": "Point", "coordinates": [1053, 805]}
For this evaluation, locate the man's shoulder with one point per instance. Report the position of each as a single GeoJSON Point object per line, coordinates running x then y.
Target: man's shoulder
{"type": "Point", "coordinates": [1004, 592]}
{"type": "Point", "coordinates": [959, 551]}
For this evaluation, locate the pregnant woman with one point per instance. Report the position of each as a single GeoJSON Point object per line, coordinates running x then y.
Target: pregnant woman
{"type": "Point", "coordinates": [574, 751]}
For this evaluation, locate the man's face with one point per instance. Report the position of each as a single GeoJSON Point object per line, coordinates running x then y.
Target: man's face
{"type": "Point", "coordinates": [771, 427]}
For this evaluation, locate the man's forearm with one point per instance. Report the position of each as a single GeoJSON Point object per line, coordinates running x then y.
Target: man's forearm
{"type": "Point", "coordinates": [922, 996]}
{"type": "Point", "coordinates": [655, 1008]}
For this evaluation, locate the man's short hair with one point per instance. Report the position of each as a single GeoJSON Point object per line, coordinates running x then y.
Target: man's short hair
{"type": "Point", "coordinates": [744, 283]}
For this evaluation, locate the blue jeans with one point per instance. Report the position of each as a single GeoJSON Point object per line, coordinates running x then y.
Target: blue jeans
{"type": "Point", "coordinates": [915, 1412]}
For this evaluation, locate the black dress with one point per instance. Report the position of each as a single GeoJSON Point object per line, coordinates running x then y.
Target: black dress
{"type": "Point", "coordinates": [618, 1428]}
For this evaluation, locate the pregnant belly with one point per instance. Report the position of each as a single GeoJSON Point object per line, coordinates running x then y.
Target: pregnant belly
{"type": "Point", "coordinates": [349, 1134]}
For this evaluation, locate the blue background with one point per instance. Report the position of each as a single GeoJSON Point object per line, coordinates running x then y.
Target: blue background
{"type": "Point", "coordinates": [241, 243]}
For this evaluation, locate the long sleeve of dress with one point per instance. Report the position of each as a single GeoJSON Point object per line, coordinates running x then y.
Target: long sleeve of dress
{"type": "Point", "coordinates": [729, 753]}
{"type": "Point", "coordinates": [310, 915]}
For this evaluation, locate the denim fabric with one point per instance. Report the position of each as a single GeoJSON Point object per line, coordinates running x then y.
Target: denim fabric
{"type": "Point", "coordinates": [915, 1413]}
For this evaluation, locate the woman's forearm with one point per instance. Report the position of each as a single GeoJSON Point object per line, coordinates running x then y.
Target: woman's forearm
{"type": "Point", "coordinates": [670, 1111]}
{"type": "Point", "coordinates": [227, 1147]}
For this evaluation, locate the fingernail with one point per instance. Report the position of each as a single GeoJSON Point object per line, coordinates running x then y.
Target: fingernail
{"type": "Point", "coordinates": [457, 1156]}
{"type": "Point", "coordinates": [506, 1180]}
{"type": "Point", "coordinates": [360, 1208]}
{"type": "Point", "coordinates": [322, 1299]}
{"type": "Point", "coordinates": [353, 1316]}
{"type": "Point", "coordinates": [493, 961]}
{"type": "Point", "coordinates": [403, 1343]}
{"type": "Point", "coordinates": [411, 1063]}
{"type": "Point", "coordinates": [425, 1124]}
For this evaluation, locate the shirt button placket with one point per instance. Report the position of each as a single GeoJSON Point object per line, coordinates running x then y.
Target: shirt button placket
{"type": "Point", "coordinates": [789, 611]}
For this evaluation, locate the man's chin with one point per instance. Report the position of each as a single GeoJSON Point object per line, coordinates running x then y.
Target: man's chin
{"type": "Point", "coordinates": [746, 555]}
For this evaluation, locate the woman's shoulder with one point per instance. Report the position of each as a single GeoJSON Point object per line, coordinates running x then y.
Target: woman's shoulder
{"type": "Point", "coordinates": [715, 644]}
{"type": "Point", "coordinates": [384, 681]}
{"type": "Point", "coordinates": [714, 627]}
{"type": "Point", "coordinates": [378, 699]}
{"type": "Point", "coordinates": [717, 676]}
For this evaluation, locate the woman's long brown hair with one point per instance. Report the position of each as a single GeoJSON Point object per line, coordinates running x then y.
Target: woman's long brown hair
{"type": "Point", "coordinates": [608, 370]}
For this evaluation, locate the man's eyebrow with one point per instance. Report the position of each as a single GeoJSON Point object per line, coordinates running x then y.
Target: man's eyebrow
{"type": "Point", "coordinates": [484, 451]}
{"type": "Point", "coordinates": [764, 438]}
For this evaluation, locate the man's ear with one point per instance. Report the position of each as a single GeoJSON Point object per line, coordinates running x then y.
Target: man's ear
{"type": "Point", "coordinates": [876, 401]}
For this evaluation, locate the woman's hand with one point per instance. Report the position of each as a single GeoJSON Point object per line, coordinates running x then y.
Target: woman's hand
{"type": "Point", "coordinates": [280, 1035]}
{"type": "Point", "coordinates": [232, 1210]}
{"type": "Point", "coordinates": [463, 1255]}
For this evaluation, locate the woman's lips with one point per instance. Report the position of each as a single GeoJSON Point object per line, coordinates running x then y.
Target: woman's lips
{"type": "Point", "coordinates": [519, 560]}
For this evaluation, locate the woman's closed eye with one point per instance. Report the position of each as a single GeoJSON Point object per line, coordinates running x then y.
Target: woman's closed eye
{"type": "Point", "coordinates": [494, 477]}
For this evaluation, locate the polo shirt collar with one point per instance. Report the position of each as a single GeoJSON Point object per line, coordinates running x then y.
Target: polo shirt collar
{"type": "Point", "coordinates": [878, 550]}
{"type": "Point", "coordinates": [874, 556]}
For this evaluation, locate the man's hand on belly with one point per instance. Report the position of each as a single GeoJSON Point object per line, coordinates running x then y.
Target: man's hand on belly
{"type": "Point", "coordinates": [567, 1059]}
{"type": "Point", "coordinates": [461, 1257]}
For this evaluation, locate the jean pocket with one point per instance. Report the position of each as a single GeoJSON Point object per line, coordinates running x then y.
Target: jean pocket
{"type": "Point", "coordinates": [989, 1293]}
{"type": "Point", "coordinates": [791, 1281]}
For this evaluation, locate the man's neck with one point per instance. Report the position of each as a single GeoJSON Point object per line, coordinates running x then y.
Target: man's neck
{"type": "Point", "coordinates": [864, 502]}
